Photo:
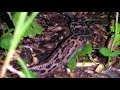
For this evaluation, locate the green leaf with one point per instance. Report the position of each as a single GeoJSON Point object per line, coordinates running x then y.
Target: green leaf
{"type": "Point", "coordinates": [117, 37]}
{"type": "Point", "coordinates": [86, 50]}
{"type": "Point", "coordinates": [118, 28]}
{"type": "Point", "coordinates": [115, 53]}
{"type": "Point", "coordinates": [112, 27]}
{"type": "Point", "coordinates": [117, 40]}
{"type": "Point", "coordinates": [72, 61]}
{"type": "Point", "coordinates": [5, 41]}
{"type": "Point", "coordinates": [71, 64]}
{"type": "Point", "coordinates": [108, 53]}
{"type": "Point", "coordinates": [105, 51]}
{"type": "Point", "coordinates": [33, 29]}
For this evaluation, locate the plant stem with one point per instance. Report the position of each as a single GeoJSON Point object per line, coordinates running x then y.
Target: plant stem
{"type": "Point", "coordinates": [90, 57]}
{"type": "Point", "coordinates": [109, 59]}
{"type": "Point", "coordinates": [116, 30]}
{"type": "Point", "coordinates": [24, 67]}
{"type": "Point", "coordinates": [13, 43]}
{"type": "Point", "coordinates": [21, 26]}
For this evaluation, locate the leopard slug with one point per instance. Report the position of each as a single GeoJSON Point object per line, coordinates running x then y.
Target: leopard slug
{"type": "Point", "coordinates": [65, 51]}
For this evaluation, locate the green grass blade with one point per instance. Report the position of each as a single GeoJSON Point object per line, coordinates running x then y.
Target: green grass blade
{"type": "Point", "coordinates": [21, 26]}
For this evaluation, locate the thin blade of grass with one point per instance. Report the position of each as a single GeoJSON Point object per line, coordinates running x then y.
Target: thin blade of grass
{"type": "Point", "coordinates": [19, 31]}
{"type": "Point", "coordinates": [25, 69]}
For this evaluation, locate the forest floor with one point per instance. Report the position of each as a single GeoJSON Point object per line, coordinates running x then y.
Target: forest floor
{"type": "Point", "coordinates": [56, 30]}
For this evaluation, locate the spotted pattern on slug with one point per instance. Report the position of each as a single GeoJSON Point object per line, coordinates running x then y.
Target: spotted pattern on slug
{"type": "Point", "coordinates": [61, 55]}
{"type": "Point", "coordinates": [64, 52]}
